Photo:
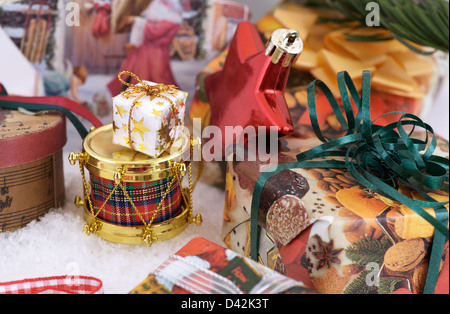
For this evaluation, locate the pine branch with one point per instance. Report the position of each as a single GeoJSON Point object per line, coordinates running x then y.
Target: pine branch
{"type": "Point", "coordinates": [367, 250]}
{"type": "Point", "coordinates": [359, 285]}
{"type": "Point", "coordinates": [421, 22]}
{"type": "Point", "coordinates": [387, 286]}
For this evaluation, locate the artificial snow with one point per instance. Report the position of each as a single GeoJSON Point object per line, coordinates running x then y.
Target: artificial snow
{"type": "Point", "coordinates": [57, 246]}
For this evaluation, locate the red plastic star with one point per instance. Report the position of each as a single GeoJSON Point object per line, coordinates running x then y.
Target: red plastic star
{"type": "Point", "coordinates": [249, 91]}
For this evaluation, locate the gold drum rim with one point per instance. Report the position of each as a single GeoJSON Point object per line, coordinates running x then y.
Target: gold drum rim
{"type": "Point", "coordinates": [143, 170]}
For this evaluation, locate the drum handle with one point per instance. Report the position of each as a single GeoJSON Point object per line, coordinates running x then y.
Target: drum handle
{"type": "Point", "coordinates": [64, 105]}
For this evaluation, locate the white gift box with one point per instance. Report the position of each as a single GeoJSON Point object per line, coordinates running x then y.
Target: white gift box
{"type": "Point", "coordinates": [152, 126]}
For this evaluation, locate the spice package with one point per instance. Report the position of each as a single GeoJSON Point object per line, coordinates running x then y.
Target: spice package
{"type": "Point", "coordinates": [149, 117]}
{"type": "Point", "coordinates": [203, 267]}
{"type": "Point", "coordinates": [324, 224]}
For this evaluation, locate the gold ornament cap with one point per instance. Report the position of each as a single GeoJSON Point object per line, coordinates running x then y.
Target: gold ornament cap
{"type": "Point", "coordinates": [284, 45]}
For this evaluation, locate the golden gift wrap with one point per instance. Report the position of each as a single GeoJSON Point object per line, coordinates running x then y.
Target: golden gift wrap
{"type": "Point", "coordinates": [323, 224]}
{"type": "Point", "coordinates": [396, 69]}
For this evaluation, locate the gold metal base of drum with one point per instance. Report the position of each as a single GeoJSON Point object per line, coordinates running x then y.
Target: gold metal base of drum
{"type": "Point", "coordinates": [137, 235]}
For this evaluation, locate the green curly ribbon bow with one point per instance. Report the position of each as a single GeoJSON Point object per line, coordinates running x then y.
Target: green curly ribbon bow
{"type": "Point", "coordinates": [79, 126]}
{"type": "Point", "coordinates": [368, 148]}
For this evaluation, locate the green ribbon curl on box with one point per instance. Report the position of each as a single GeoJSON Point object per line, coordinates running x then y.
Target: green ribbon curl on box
{"type": "Point", "coordinates": [68, 107]}
{"type": "Point", "coordinates": [366, 149]}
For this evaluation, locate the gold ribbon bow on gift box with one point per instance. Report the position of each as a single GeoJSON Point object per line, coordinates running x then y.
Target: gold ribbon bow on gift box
{"type": "Point", "coordinates": [144, 89]}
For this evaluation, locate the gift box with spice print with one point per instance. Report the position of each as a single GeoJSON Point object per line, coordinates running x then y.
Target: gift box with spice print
{"type": "Point", "coordinates": [348, 233]}
{"type": "Point", "coordinates": [203, 267]}
{"type": "Point", "coordinates": [323, 223]}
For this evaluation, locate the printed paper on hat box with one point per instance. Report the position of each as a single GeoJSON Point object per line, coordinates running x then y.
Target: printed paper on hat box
{"type": "Point", "coordinates": [31, 167]}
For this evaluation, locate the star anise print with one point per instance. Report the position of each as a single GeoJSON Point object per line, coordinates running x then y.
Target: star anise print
{"type": "Point", "coordinates": [327, 254]}
{"type": "Point", "coordinates": [164, 132]}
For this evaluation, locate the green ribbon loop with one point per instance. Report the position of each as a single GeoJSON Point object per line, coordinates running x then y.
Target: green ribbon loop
{"type": "Point", "coordinates": [14, 105]}
{"type": "Point", "coordinates": [375, 155]}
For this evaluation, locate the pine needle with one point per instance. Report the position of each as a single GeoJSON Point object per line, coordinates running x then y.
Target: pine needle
{"type": "Point", "coordinates": [420, 22]}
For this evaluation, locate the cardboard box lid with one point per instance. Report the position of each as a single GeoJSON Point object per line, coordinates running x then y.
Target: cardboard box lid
{"type": "Point", "coordinates": [26, 138]}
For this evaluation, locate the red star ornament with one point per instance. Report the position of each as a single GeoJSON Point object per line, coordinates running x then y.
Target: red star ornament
{"type": "Point", "coordinates": [250, 89]}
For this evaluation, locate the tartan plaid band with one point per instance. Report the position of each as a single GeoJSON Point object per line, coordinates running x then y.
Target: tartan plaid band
{"type": "Point", "coordinates": [146, 197]}
{"type": "Point", "coordinates": [54, 285]}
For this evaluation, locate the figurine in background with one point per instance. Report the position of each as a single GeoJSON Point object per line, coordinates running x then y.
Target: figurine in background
{"type": "Point", "coordinates": [185, 42]}
{"type": "Point", "coordinates": [65, 84]}
{"type": "Point", "coordinates": [149, 53]}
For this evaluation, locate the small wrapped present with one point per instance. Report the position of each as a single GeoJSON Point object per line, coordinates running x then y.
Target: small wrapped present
{"type": "Point", "coordinates": [320, 218]}
{"type": "Point", "coordinates": [148, 117]}
{"type": "Point", "coordinates": [203, 267]}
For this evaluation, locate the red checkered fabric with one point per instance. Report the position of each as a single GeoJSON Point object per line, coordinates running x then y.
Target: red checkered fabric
{"type": "Point", "coordinates": [146, 197]}
{"type": "Point", "coordinates": [54, 285]}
